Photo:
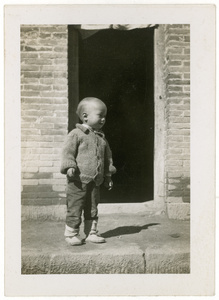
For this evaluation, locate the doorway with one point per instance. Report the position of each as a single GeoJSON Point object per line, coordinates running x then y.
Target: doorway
{"type": "Point", "coordinates": [118, 67]}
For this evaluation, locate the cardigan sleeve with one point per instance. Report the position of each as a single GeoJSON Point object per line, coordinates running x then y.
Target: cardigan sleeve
{"type": "Point", "coordinates": [109, 169]}
{"type": "Point", "coordinates": [69, 152]}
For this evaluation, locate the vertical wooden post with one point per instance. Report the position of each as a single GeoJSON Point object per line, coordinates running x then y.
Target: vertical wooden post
{"type": "Point", "coordinates": [159, 117]}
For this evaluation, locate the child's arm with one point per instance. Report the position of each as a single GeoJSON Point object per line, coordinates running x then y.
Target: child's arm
{"type": "Point", "coordinates": [109, 169]}
{"type": "Point", "coordinates": [69, 152]}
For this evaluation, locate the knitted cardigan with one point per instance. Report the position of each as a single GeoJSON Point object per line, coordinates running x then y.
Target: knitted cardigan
{"type": "Point", "coordinates": [88, 152]}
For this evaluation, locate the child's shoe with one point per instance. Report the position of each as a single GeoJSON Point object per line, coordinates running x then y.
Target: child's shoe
{"type": "Point", "coordinates": [72, 236]}
{"type": "Point", "coordinates": [90, 230]}
{"type": "Point", "coordinates": [95, 238]}
{"type": "Point", "coordinates": [74, 241]}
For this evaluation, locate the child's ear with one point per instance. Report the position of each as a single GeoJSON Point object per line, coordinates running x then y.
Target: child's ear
{"type": "Point", "coordinates": [84, 117]}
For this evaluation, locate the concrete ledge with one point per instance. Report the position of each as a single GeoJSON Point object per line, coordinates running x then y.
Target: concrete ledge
{"type": "Point", "coordinates": [84, 263]}
{"type": "Point", "coordinates": [58, 212]}
{"type": "Point", "coordinates": [135, 244]}
{"type": "Point", "coordinates": [174, 261]}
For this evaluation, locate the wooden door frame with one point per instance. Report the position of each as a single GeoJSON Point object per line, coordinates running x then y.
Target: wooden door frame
{"type": "Point", "coordinates": [159, 103]}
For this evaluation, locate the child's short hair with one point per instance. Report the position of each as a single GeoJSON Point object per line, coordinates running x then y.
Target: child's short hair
{"type": "Point", "coordinates": [87, 101]}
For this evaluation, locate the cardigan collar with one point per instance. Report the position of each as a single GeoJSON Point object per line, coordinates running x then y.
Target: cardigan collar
{"type": "Point", "coordinates": [86, 128]}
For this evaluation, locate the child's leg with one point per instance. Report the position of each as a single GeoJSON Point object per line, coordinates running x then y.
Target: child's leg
{"type": "Point", "coordinates": [91, 214]}
{"type": "Point", "coordinates": [76, 196]}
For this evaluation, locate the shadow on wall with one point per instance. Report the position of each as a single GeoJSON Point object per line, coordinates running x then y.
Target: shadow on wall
{"type": "Point", "coordinates": [42, 195]}
{"type": "Point", "coordinates": [179, 187]}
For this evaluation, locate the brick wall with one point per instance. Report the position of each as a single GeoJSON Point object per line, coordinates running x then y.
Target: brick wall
{"type": "Point", "coordinates": [44, 112]}
{"type": "Point", "coordinates": [177, 114]}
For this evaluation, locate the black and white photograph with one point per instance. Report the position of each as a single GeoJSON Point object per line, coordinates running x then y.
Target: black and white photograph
{"type": "Point", "coordinates": [108, 130]}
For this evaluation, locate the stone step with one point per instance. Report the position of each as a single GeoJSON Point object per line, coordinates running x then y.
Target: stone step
{"type": "Point", "coordinates": [135, 244]}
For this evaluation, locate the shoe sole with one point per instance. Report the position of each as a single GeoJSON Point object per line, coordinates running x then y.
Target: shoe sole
{"type": "Point", "coordinates": [74, 244]}
{"type": "Point", "coordinates": [95, 242]}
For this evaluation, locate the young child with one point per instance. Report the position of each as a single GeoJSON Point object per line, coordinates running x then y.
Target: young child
{"type": "Point", "coordinates": [87, 162]}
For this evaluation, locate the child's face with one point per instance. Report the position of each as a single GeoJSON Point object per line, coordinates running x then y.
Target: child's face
{"type": "Point", "coordinates": [96, 116]}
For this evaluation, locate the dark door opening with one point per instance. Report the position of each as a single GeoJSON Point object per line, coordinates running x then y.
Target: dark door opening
{"type": "Point", "coordinates": [118, 67]}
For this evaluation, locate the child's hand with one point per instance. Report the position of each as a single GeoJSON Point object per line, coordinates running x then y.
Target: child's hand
{"type": "Point", "coordinates": [108, 183]}
{"type": "Point", "coordinates": [71, 172]}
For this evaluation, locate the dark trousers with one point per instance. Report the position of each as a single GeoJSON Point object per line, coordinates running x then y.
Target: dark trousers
{"type": "Point", "coordinates": [81, 197]}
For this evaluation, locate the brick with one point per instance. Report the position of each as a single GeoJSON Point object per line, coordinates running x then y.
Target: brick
{"type": "Point", "coordinates": [38, 138]}
{"type": "Point", "coordinates": [173, 168]}
{"type": "Point", "coordinates": [56, 107]}
{"type": "Point", "coordinates": [44, 125]}
{"type": "Point", "coordinates": [49, 169]}
{"type": "Point", "coordinates": [26, 125]}
{"type": "Point", "coordinates": [30, 80]}
{"type": "Point", "coordinates": [50, 145]}
{"type": "Point", "coordinates": [60, 126]}
{"type": "Point", "coordinates": [53, 55]}
{"type": "Point", "coordinates": [53, 28]}
{"type": "Point", "coordinates": [177, 94]}
{"type": "Point", "coordinates": [37, 74]}
{"type": "Point", "coordinates": [178, 82]}
{"type": "Point", "coordinates": [178, 126]}
{"type": "Point", "coordinates": [54, 120]}
{"type": "Point", "coordinates": [31, 163]}
{"type": "Point", "coordinates": [186, 63]}
{"type": "Point", "coordinates": [61, 114]}
{"type": "Point", "coordinates": [174, 162]}
{"type": "Point", "coordinates": [30, 144]}
{"type": "Point", "coordinates": [38, 113]}
{"type": "Point", "coordinates": [29, 169]}
{"type": "Point", "coordinates": [178, 132]}
{"type": "Point", "coordinates": [179, 31]}
{"type": "Point", "coordinates": [60, 49]}
{"type": "Point", "coordinates": [54, 93]}
{"type": "Point", "coordinates": [25, 151]}
{"type": "Point", "coordinates": [175, 151]}
{"type": "Point", "coordinates": [186, 150]}
{"type": "Point", "coordinates": [32, 157]}
{"type": "Point", "coordinates": [27, 175]}
{"type": "Point", "coordinates": [30, 68]}
{"type": "Point", "coordinates": [60, 87]}
{"type": "Point", "coordinates": [186, 88]}
{"type": "Point", "coordinates": [53, 132]}
{"type": "Point", "coordinates": [175, 138]}
{"type": "Point", "coordinates": [45, 164]}
{"type": "Point", "coordinates": [60, 74]}
{"type": "Point", "coordinates": [53, 68]}
{"type": "Point", "coordinates": [38, 188]}
{"type": "Point", "coordinates": [58, 175]}
{"type": "Point", "coordinates": [38, 87]}
{"type": "Point", "coordinates": [172, 187]}
{"type": "Point", "coordinates": [60, 138]}
{"type": "Point", "coordinates": [52, 181]}
{"type": "Point", "coordinates": [39, 100]}
{"type": "Point", "coordinates": [179, 113]}
{"type": "Point", "coordinates": [61, 101]}
{"type": "Point", "coordinates": [49, 157]}
{"type": "Point", "coordinates": [57, 163]}
{"type": "Point", "coordinates": [179, 119]}
{"type": "Point", "coordinates": [42, 151]}
{"type": "Point", "coordinates": [29, 182]}
{"type": "Point", "coordinates": [178, 145]}
{"type": "Point", "coordinates": [29, 93]}
{"type": "Point", "coordinates": [175, 63]}
{"type": "Point", "coordinates": [59, 188]}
